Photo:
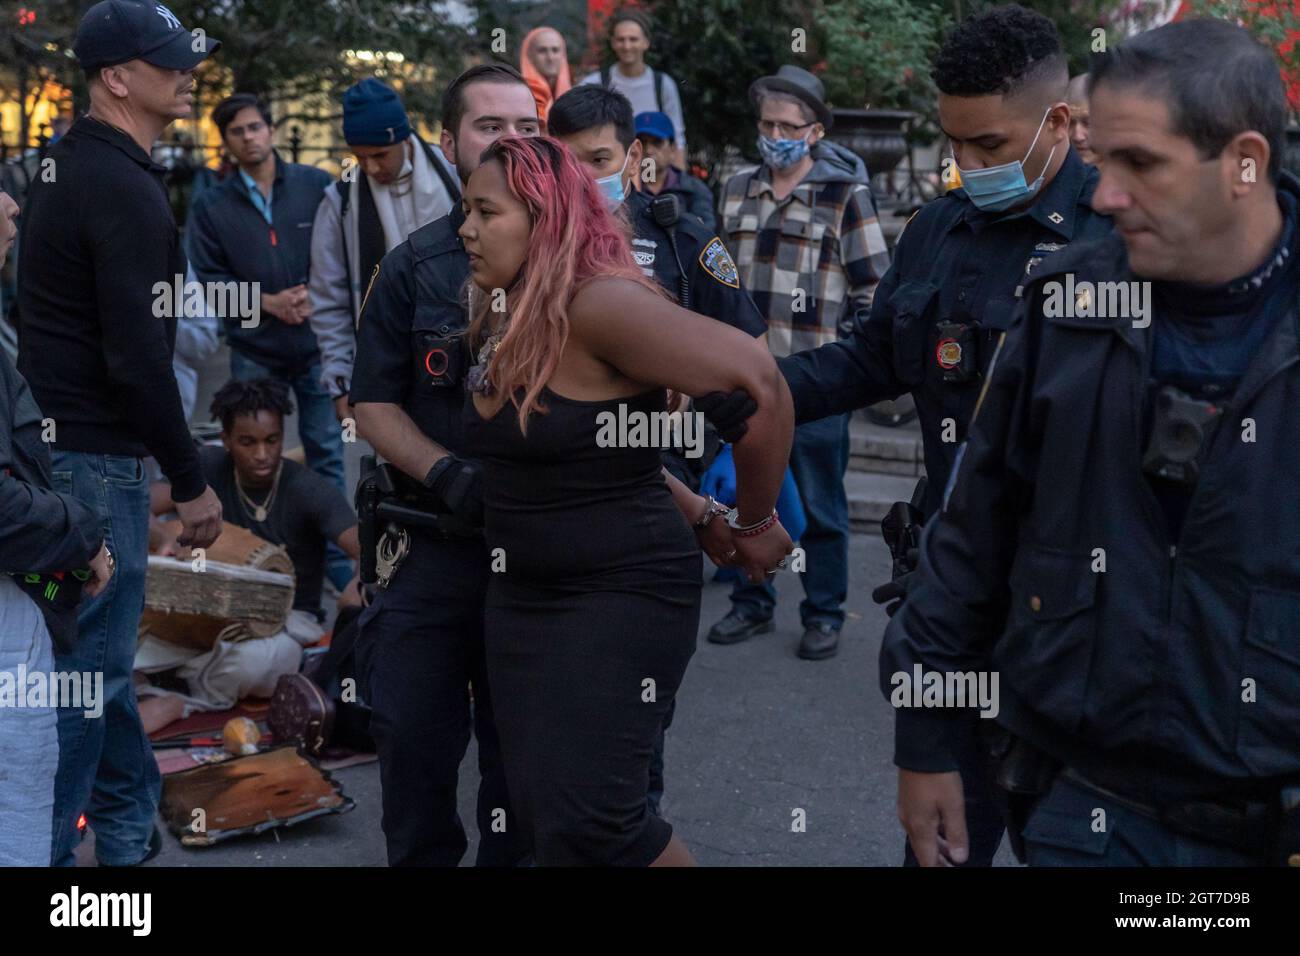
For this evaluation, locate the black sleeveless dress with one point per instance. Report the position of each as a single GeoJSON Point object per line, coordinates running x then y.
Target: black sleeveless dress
{"type": "Point", "coordinates": [589, 626]}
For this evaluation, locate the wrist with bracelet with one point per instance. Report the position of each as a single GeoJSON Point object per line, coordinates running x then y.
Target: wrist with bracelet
{"type": "Point", "coordinates": [749, 530]}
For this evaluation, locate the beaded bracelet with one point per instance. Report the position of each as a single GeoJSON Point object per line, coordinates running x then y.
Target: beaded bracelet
{"type": "Point", "coordinates": [747, 531]}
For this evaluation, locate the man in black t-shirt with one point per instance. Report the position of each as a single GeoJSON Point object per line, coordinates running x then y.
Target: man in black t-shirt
{"type": "Point", "coordinates": [280, 501]}
{"type": "Point", "coordinates": [277, 499]}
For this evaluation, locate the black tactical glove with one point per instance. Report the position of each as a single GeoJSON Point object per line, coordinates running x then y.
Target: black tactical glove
{"type": "Point", "coordinates": [727, 412]}
{"type": "Point", "coordinates": [894, 591]}
{"type": "Point", "coordinates": [458, 485]}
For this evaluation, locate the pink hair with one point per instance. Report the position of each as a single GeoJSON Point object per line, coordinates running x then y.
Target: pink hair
{"type": "Point", "coordinates": [574, 239]}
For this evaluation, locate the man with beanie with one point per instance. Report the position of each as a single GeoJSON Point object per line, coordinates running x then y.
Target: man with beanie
{"type": "Point", "coordinates": [96, 347]}
{"type": "Point", "coordinates": [399, 183]}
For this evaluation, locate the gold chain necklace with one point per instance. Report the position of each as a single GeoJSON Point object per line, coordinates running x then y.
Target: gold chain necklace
{"type": "Point", "coordinates": [256, 511]}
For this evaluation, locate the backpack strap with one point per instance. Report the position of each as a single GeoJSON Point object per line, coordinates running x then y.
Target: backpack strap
{"type": "Point", "coordinates": [605, 76]}
{"type": "Point", "coordinates": [659, 90]}
{"type": "Point", "coordinates": [344, 187]}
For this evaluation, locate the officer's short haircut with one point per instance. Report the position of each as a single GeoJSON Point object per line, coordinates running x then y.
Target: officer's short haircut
{"type": "Point", "coordinates": [224, 113]}
{"type": "Point", "coordinates": [237, 398]}
{"type": "Point", "coordinates": [1215, 78]}
{"type": "Point", "coordinates": [1007, 50]}
{"type": "Point", "coordinates": [629, 15]}
{"type": "Point", "coordinates": [589, 106]}
{"type": "Point", "coordinates": [453, 100]}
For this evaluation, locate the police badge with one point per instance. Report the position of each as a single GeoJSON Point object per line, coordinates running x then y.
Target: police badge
{"type": "Point", "coordinates": [718, 263]}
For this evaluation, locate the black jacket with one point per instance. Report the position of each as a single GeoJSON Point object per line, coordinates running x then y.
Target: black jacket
{"type": "Point", "coordinates": [712, 276]}
{"type": "Point", "coordinates": [230, 240]}
{"type": "Point", "coordinates": [1173, 673]}
{"type": "Point", "coordinates": [696, 198]}
{"type": "Point", "coordinates": [40, 530]}
{"type": "Point", "coordinates": [95, 335]}
{"type": "Point", "coordinates": [955, 265]}
{"type": "Point", "coordinates": [409, 350]}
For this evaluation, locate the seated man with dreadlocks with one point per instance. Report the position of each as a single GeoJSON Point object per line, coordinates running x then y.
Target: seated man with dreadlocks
{"type": "Point", "coordinates": [280, 501]}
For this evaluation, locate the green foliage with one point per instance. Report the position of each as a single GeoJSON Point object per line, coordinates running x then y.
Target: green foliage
{"type": "Point", "coordinates": [879, 52]}
{"type": "Point", "coordinates": [714, 50]}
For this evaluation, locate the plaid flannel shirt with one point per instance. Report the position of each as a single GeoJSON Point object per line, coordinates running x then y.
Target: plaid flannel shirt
{"type": "Point", "coordinates": [811, 260]}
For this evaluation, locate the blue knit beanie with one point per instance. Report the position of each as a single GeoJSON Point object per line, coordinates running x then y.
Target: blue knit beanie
{"type": "Point", "coordinates": [373, 115]}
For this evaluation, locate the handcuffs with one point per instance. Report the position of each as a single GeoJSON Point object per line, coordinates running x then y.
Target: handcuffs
{"type": "Point", "coordinates": [715, 509]}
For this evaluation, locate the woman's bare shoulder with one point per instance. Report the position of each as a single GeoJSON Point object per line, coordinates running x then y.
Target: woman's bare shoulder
{"type": "Point", "coordinates": [601, 296]}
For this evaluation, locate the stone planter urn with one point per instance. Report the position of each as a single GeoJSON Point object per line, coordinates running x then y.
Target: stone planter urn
{"type": "Point", "coordinates": [875, 135]}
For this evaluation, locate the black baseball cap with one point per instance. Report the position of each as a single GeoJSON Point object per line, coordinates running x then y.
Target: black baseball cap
{"type": "Point", "coordinates": [115, 31]}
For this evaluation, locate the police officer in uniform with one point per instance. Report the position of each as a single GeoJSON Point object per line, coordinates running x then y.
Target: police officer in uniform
{"type": "Point", "coordinates": [1118, 534]}
{"type": "Point", "coordinates": [421, 643]}
{"type": "Point", "coordinates": [959, 268]}
{"type": "Point", "coordinates": [689, 261]}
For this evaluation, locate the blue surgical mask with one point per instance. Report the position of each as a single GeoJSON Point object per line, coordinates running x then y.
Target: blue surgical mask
{"type": "Point", "coordinates": [612, 187]}
{"type": "Point", "coordinates": [997, 188]}
{"type": "Point", "coordinates": [782, 153]}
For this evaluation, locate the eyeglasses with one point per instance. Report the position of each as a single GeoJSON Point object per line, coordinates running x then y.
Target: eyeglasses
{"type": "Point", "coordinates": [776, 130]}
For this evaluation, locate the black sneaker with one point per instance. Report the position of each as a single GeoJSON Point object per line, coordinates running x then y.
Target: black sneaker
{"type": "Point", "coordinates": [819, 642]}
{"type": "Point", "coordinates": [737, 627]}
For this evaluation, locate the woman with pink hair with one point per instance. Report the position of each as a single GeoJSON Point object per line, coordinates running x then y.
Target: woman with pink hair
{"type": "Point", "coordinates": [593, 615]}
{"type": "Point", "coordinates": [544, 62]}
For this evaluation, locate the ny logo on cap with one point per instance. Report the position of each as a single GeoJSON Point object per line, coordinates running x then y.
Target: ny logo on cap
{"type": "Point", "coordinates": [168, 16]}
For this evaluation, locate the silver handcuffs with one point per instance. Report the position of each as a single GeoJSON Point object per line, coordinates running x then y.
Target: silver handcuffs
{"type": "Point", "coordinates": [390, 552]}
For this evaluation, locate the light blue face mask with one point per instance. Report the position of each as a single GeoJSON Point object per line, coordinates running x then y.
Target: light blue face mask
{"type": "Point", "coordinates": [997, 188]}
{"type": "Point", "coordinates": [612, 187]}
{"type": "Point", "coordinates": [782, 153]}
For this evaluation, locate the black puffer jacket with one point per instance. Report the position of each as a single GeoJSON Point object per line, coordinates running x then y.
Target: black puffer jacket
{"type": "Point", "coordinates": [41, 531]}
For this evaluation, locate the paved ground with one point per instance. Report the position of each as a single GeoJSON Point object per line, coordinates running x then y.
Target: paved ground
{"type": "Point", "coordinates": [759, 735]}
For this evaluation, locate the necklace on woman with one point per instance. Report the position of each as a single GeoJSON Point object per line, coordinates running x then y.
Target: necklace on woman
{"type": "Point", "coordinates": [478, 380]}
{"type": "Point", "coordinates": [259, 512]}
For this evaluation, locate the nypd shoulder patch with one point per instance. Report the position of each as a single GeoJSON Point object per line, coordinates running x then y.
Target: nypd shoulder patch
{"type": "Point", "coordinates": [717, 262]}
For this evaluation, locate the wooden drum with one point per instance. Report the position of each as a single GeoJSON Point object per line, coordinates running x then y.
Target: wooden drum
{"type": "Point", "coordinates": [244, 590]}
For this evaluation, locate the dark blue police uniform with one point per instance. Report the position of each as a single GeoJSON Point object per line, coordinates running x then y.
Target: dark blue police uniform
{"type": "Point", "coordinates": [933, 327]}
{"type": "Point", "coordinates": [936, 316]}
{"type": "Point", "coordinates": [712, 287]}
{"type": "Point", "coordinates": [715, 288]}
{"type": "Point", "coordinates": [421, 641]}
{"type": "Point", "coordinates": [1149, 651]}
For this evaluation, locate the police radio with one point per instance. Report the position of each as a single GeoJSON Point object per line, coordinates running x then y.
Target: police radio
{"type": "Point", "coordinates": [1180, 433]}
{"type": "Point", "coordinates": [666, 213]}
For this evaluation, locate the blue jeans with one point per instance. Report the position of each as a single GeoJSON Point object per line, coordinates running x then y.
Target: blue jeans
{"type": "Point", "coordinates": [106, 766]}
{"type": "Point", "coordinates": [818, 461]}
{"type": "Point", "coordinates": [321, 434]}
{"type": "Point", "coordinates": [29, 736]}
